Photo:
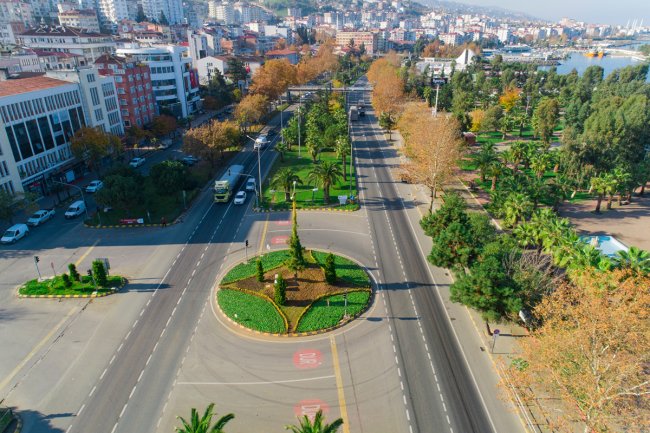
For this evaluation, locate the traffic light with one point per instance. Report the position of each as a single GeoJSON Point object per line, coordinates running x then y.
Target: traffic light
{"type": "Point", "coordinates": [246, 243]}
{"type": "Point", "coordinates": [36, 259]}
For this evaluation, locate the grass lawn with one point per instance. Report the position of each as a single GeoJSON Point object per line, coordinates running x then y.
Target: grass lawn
{"type": "Point", "coordinates": [302, 292]}
{"type": "Point", "coordinates": [324, 314]}
{"type": "Point", "coordinates": [249, 269]}
{"type": "Point", "coordinates": [304, 193]}
{"type": "Point", "coordinates": [55, 286]}
{"type": "Point", "coordinates": [251, 311]}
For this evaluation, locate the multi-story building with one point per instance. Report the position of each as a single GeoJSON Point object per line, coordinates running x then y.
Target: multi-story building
{"type": "Point", "coordinates": [134, 89]}
{"type": "Point", "coordinates": [171, 9]}
{"type": "Point", "coordinates": [175, 84]}
{"type": "Point", "coordinates": [98, 96]}
{"type": "Point", "coordinates": [90, 45]}
{"type": "Point", "coordinates": [15, 11]}
{"type": "Point", "coordinates": [368, 39]}
{"type": "Point", "coordinates": [223, 12]}
{"type": "Point", "coordinates": [113, 11]}
{"type": "Point", "coordinates": [203, 43]}
{"type": "Point", "coordinates": [80, 18]}
{"type": "Point", "coordinates": [39, 116]}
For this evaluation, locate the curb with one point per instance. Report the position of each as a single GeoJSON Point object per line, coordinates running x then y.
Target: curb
{"type": "Point", "coordinates": [319, 209]}
{"type": "Point", "coordinates": [125, 226]}
{"type": "Point", "coordinates": [92, 295]}
{"type": "Point", "coordinates": [19, 423]}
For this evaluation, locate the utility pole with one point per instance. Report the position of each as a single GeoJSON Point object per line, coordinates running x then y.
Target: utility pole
{"type": "Point", "coordinates": [299, 121]}
{"type": "Point", "coordinates": [435, 108]}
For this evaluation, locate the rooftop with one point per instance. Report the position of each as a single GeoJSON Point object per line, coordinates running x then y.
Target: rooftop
{"type": "Point", "coordinates": [61, 31]}
{"type": "Point", "coordinates": [25, 85]}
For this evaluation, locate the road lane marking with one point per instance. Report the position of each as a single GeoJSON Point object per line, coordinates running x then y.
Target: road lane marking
{"type": "Point", "coordinates": [263, 238]}
{"type": "Point", "coordinates": [36, 348]}
{"type": "Point", "coordinates": [88, 251]}
{"type": "Point", "coordinates": [339, 386]}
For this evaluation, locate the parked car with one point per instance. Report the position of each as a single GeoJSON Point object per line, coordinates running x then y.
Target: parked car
{"type": "Point", "coordinates": [40, 216]}
{"type": "Point", "coordinates": [189, 160]}
{"type": "Point", "coordinates": [95, 186]}
{"type": "Point", "coordinates": [77, 208]}
{"type": "Point", "coordinates": [250, 184]}
{"type": "Point", "coordinates": [137, 162]}
{"type": "Point", "coordinates": [240, 197]}
{"type": "Point", "coordinates": [361, 109]}
{"type": "Point", "coordinates": [165, 143]}
{"type": "Point", "coordinates": [14, 233]}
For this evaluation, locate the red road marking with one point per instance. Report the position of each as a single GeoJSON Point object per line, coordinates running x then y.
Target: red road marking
{"type": "Point", "coordinates": [277, 240]}
{"type": "Point", "coordinates": [310, 408]}
{"type": "Point", "coordinates": [283, 223]}
{"type": "Point", "coordinates": [307, 358]}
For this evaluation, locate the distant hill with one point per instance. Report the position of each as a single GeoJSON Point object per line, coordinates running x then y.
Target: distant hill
{"type": "Point", "coordinates": [494, 11]}
{"type": "Point", "coordinates": [280, 6]}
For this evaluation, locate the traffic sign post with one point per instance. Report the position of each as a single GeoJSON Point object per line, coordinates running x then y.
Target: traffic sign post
{"type": "Point", "coordinates": [36, 260]}
{"type": "Point", "coordinates": [246, 249]}
{"type": "Point", "coordinates": [495, 334]}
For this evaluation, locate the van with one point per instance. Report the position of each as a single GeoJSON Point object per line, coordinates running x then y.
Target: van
{"type": "Point", "coordinates": [14, 233]}
{"type": "Point", "coordinates": [75, 209]}
{"type": "Point", "coordinates": [250, 184]}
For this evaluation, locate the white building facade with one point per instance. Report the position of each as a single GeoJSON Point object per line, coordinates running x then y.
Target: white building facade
{"type": "Point", "coordinates": [172, 9]}
{"type": "Point", "coordinates": [175, 83]}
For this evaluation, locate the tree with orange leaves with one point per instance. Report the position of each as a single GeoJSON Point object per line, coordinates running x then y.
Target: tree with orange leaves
{"type": "Point", "coordinates": [433, 146]}
{"type": "Point", "coordinates": [388, 91]}
{"type": "Point", "coordinates": [273, 79]}
{"type": "Point", "coordinates": [592, 351]}
{"type": "Point", "coordinates": [509, 98]}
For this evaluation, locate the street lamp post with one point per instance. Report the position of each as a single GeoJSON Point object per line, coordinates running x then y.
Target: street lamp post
{"type": "Point", "coordinates": [299, 122]}
{"type": "Point", "coordinates": [259, 171]}
{"type": "Point", "coordinates": [82, 194]}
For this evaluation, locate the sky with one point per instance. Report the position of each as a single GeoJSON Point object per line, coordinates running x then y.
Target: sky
{"type": "Point", "coordinates": [591, 11]}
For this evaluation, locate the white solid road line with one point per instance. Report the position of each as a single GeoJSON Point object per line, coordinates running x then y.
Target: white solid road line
{"type": "Point", "coordinates": [269, 382]}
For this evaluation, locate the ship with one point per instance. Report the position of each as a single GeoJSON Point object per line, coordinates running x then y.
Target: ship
{"type": "Point", "coordinates": [598, 53]}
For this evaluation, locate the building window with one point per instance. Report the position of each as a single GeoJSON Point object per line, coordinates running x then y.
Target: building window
{"type": "Point", "coordinates": [91, 78]}
{"type": "Point", "coordinates": [99, 115]}
{"type": "Point", "coordinates": [94, 95]}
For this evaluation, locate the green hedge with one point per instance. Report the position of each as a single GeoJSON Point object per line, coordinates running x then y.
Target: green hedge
{"type": "Point", "coordinates": [55, 286]}
{"type": "Point", "coordinates": [322, 316]}
{"type": "Point", "coordinates": [346, 270]}
{"type": "Point", "coordinates": [249, 269]}
{"type": "Point", "coordinates": [252, 311]}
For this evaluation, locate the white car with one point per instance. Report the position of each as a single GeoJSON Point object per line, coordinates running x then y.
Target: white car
{"type": "Point", "coordinates": [250, 184]}
{"type": "Point", "coordinates": [260, 142]}
{"type": "Point", "coordinates": [95, 186]}
{"type": "Point", "coordinates": [137, 162]}
{"type": "Point", "coordinates": [14, 233]}
{"type": "Point", "coordinates": [40, 216]}
{"type": "Point", "coordinates": [240, 197]}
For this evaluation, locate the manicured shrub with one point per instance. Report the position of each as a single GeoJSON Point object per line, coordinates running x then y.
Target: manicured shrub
{"type": "Point", "coordinates": [260, 270]}
{"type": "Point", "coordinates": [330, 269]}
{"type": "Point", "coordinates": [99, 272]}
{"type": "Point", "coordinates": [280, 291]}
{"type": "Point", "coordinates": [66, 280]}
{"type": "Point", "coordinates": [74, 275]}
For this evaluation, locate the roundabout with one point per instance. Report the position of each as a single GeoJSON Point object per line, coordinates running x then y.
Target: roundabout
{"type": "Point", "coordinates": [267, 295]}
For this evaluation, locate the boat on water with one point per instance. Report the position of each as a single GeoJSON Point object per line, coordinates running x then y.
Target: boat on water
{"type": "Point", "coordinates": [599, 53]}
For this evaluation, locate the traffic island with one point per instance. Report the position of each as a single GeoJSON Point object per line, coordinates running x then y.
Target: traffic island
{"type": "Point", "coordinates": [73, 285]}
{"type": "Point", "coordinates": [281, 304]}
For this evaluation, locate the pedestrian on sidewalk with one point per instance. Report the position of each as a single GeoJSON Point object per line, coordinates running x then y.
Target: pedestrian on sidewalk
{"type": "Point", "coordinates": [163, 221]}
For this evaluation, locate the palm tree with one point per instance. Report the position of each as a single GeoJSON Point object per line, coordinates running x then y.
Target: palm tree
{"type": "Point", "coordinates": [527, 235]}
{"type": "Point", "coordinates": [342, 151]}
{"type": "Point", "coordinates": [540, 162]}
{"type": "Point", "coordinates": [623, 182]}
{"type": "Point", "coordinates": [518, 206]}
{"type": "Point", "coordinates": [635, 259]}
{"type": "Point", "coordinates": [611, 186]}
{"type": "Point", "coordinates": [496, 169]}
{"type": "Point", "coordinates": [485, 158]}
{"type": "Point", "coordinates": [325, 174]}
{"type": "Point", "coordinates": [316, 426]}
{"type": "Point", "coordinates": [281, 148]}
{"type": "Point", "coordinates": [586, 257]}
{"type": "Point", "coordinates": [202, 425]}
{"type": "Point", "coordinates": [518, 152]}
{"type": "Point", "coordinates": [599, 185]}
{"type": "Point", "coordinates": [314, 146]}
{"type": "Point", "coordinates": [284, 180]}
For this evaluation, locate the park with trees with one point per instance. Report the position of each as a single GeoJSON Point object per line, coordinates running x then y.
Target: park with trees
{"type": "Point", "coordinates": [543, 140]}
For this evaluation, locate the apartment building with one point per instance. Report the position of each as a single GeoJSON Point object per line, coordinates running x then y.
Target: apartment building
{"type": "Point", "coordinates": [134, 88]}
{"type": "Point", "coordinates": [175, 83]}
{"type": "Point", "coordinates": [39, 116]}
{"type": "Point", "coordinates": [73, 40]}
{"type": "Point", "coordinates": [80, 18]}
{"type": "Point", "coordinates": [98, 97]}
{"type": "Point", "coordinates": [368, 39]}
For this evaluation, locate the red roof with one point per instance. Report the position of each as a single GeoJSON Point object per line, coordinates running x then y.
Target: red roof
{"type": "Point", "coordinates": [25, 85]}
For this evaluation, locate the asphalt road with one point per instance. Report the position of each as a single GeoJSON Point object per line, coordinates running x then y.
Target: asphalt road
{"type": "Point", "coordinates": [440, 389]}
{"type": "Point", "coordinates": [128, 394]}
